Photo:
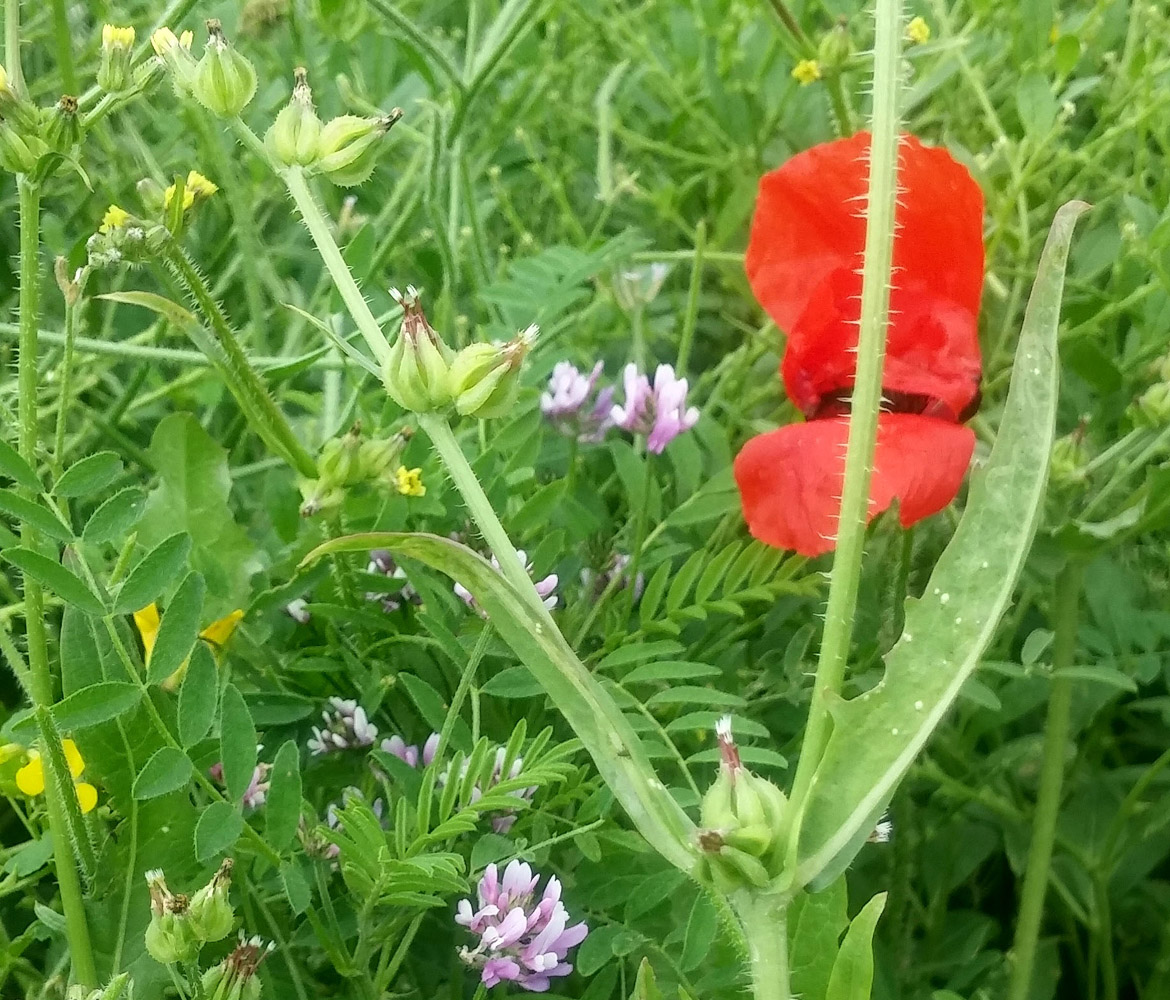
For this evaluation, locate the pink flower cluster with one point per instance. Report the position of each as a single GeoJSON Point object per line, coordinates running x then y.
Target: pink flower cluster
{"type": "Point", "coordinates": [522, 939]}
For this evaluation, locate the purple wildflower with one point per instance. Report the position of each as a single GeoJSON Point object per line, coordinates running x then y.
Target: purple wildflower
{"type": "Point", "coordinates": [382, 564]}
{"type": "Point", "coordinates": [660, 412]}
{"type": "Point", "coordinates": [346, 726]}
{"type": "Point", "coordinates": [397, 746]}
{"type": "Point", "coordinates": [565, 402]}
{"type": "Point", "coordinates": [502, 822]}
{"type": "Point", "coordinates": [546, 588]}
{"type": "Point", "coordinates": [256, 793]}
{"type": "Point", "coordinates": [521, 939]}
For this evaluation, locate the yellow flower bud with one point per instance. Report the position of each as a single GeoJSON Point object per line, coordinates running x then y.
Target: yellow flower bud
{"type": "Point", "coordinates": [918, 31]}
{"type": "Point", "coordinates": [175, 54]}
{"type": "Point", "coordinates": [115, 218]}
{"type": "Point", "coordinates": [806, 71]}
{"type": "Point", "coordinates": [113, 74]}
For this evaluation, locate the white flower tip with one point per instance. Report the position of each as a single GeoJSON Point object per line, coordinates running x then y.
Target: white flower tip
{"type": "Point", "coordinates": [723, 728]}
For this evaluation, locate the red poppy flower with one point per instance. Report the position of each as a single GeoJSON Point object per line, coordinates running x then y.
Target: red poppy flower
{"type": "Point", "coordinates": [804, 264]}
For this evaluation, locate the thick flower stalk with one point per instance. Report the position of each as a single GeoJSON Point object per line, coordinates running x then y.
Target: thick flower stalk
{"type": "Point", "coordinates": [804, 263]}
{"type": "Point", "coordinates": [522, 939]}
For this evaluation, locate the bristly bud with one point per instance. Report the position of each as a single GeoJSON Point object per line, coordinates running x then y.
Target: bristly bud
{"type": "Point", "coordinates": [377, 459]}
{"type": "Point", "coordinates": [152, 196]}
{"type": "Point", "coordinates": [19, 155]}
{"type": "Point", "coordinates": [224, 80]}
{"type": "Point", "coordinates": [318, 497]}
{"type": "Point", "coordinates": [294, 138]}
{"type": "Point", "coordinates": [485, 378]}
{"type": "Point", "coordinates": [1069, 458]}
{"type": "Point", "coordinates": [338, 465]}
{"type": "Point", "coordinates": [62, 126]}
{"type": "Point", "coordinates": [168, 937]}
{"type": "Point", "coordinates": [210, 913]}
{"type": "Point", "coordinates": [349, 147]}
{"type": "Point", "coordinates": [1152, 407]}
{"type": "Point", "coordinates": [417, 372]}
{"type": "Point", "coordinates": [235, 977]}
{"type": "Point", "coordinates": [113, 74]}
{"type": "Point", "coordinates": [175, 54]}
{"type": "Point", "coordinates": [17, 109]}
{"type": "Point", "coordinates": [836, 48]}
{"type": "Point", "coordinates": [118, 988]}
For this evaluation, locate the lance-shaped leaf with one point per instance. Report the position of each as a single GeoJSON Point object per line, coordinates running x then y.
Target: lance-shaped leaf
{"type": "Point", "coordinates": [877, 735]}
{"type": "Point", "coordinates": [598, 722]}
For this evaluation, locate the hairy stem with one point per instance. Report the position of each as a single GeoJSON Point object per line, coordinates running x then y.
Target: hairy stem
{"type": "Point", "coordinates": [1066, 608]}
{"type": "Point", "coordinates": [765, 925]}
{"type": "Point", "coordinates": [40, 672]}
{"type": "Point", "coordinates": [867, 396]}
{"type": "Point", "coordinates": [12, 46]}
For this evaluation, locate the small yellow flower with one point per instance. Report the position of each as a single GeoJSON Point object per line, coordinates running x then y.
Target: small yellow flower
{"type": "Point", "coordinates": [115, 37]}
{"type": "Point", "coordinates": [30, 779]}
{"type": "Point", "coordinates": [918, 31]}
{"type": "Point", "coordinates": [217, 634]}
{"type": "Point", "coordinates": [197, 186]}
{"type": "Point", "coordinates": [115, 218]}
{"type": "Point", "coordinates": [806, 71]}
{"type": "Point", "coordinates": [164, 40]}
{"type": "Point", "coordinates": [409, 482]}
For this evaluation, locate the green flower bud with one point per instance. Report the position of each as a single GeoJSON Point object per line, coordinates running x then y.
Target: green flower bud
{"type": "Point", "coordinates": [168, 937]}
{"type": "Point", "coordinates": [118, 988]}
{"type": "Point", "coordinates": [417, 372]}
{"type": "Point", "coordinates": [836, 48]}
{"type": "Point", "coordinates": [19, 155]}
{"type": "Point", "coordinates": [295, 137]}
{"type": "Point", "coordinates": [485, 378]}
{"type": "Point", "coordinates": [348, 147]}
{"type": "Point", "coordinates": [114, 72]}
{"type": "Point", "coordinates": [224, 81]}
{"type": "Point", "coordinates": [1069, 458]}
{"type": "Point", "coordinates": [152, 195]}
{"type": "Point", "coordinates": [175, 54]}
{"type": "Point", "coordinates": [319, 497]}
{"type": "Point", "coordinates": [62, 126]}
{"type": "Point", "coordinates": [379, 459]}
{"type": "Point", "coordinates": [210, 914]}
{"type": "Point", "coordinates": [1152, 408]}
{"type": "Point", "coordinates": [338, 464]}
{"type": "Point", "coordinates": [16, 109]}
{"type": "Point", "coordinates": [235, 977]}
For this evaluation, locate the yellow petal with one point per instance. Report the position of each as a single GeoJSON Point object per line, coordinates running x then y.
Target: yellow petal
{"type": "Point", "coordinates": [86, 796]}
{"type": "Point", "coordinates": [147, 622]}
{"type": "Point", "coordinates": [30, 779]}
{"type": "Point", "coordinates": [218, 632]}
{"type": "Point", "coordinates": [73, 758]}
{"type": "Point", "coordinates": [172, 683]}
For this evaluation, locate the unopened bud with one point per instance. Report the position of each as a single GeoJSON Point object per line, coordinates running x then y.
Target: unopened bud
{"type": "Point", "coordinates": [349, 147]}
{"type": "Point", "coordinates": [168, 937]}
{"type": "Point", "coordinates": [1152, 407]}
{"type": "Point", "coordinates": [339, 461]}
{"type": "Point", "coordinates": [294, 139]}
{"type": "Point", "coordinates": [318, 497]}
{"type": "Point", "coordinates": [210, 913]}
{"type": "Point", "coordinates": [118, 988]}
{"type": "Point", "coordinates": [836, 48]}
{"type": "Point", "coordinates": [175, 54]}
{"type": "Point", "coordinates": [1069, 458]}
{"type": "Point", "coordinates": [62, 127]}
{"type": "Point", "coordinates": [113, 74]}
{"type": "Point", "coordinates": [16, 108]}
{"type": "Point", "coordinates": [224, 80]}
{"type": "Point", "coordinates": [417, 372]}
{"type": "Point", "coordinates": [485, 378]}
{"type": "Point", "coordinates": [151, 193]}
{"type": "Point", "coordinates": [19, 155]}
{"type": "Point", "coordinates": [377, 459]}
{"type": "Point", "coordinates": [235, 977]}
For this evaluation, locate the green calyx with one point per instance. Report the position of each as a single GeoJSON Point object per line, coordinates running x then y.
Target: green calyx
{"type": "Point", "coordinates": [348, 147]}
{"type": "Point", "coordinates": [223, 81]}
{"type": "Point", "coordinates": [294, 138]}
{"type": "Point", "coordinates": [485, 378]}
{"type": "Point", "coordinates": [417, 371]}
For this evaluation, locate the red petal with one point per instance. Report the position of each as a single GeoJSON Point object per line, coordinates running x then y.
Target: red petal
{"type": "Point", "coordinates": [805, 252]}
{"type": "Point", "coordinates": [790, 479]}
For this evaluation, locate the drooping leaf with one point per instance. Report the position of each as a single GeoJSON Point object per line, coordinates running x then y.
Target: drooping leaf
{"type": "Point", "coordinates": [282, 810]}
{"type": "Point", "coordinates": [17, 469]}
{"type": "Point", "coordinates": [198, 697]}
{"type": "Point", "coordinates": [34, 515]}
{"type": "Point", "coordinates": [878, 734]}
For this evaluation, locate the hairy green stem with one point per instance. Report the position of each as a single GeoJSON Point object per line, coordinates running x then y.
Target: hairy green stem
{"type": "Point", "coordinates": [64, 47]}
{"type": "Point", "coordinates": [867, 397]}
{"type": "Point", "coordinates": [438, 429]}
{"type": "Point", "coordinates": [765, 925]}
{"type": "Point", "coordinates": [12, 47]}
{"type": "Point", "coordinates": [40, 672]}
{"type": "Point", "coordinates": [1065, 614]}
{"type": "Point", "coordinates": [72, 293]}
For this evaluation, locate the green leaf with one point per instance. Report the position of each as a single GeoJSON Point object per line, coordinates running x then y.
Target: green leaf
{"type": "Point", "coordinates": [700, 933]}
{"type": "Point", "coordinates": [852, 976]}
{"type": "Point", "coordinates": [429, 702]}
{"type": "Point", "coordinates": [33, 514]}
{"type": "Point", "coordinates": [61, 581]}
{"type": "Point", "coordinates": [89, 476]}
{"type": "Point", "coordinates": [198, 697]}
{"type": "Point", "coordinates": [645, 988]}
{"type": "Point", "coordinates": [1036, 105]}
{"type": "Point", "coordinates": [178, 630]}
{"type": "Point", "coordinates": [597, 949]}
{"type": "Point", "coordinates": [878, 734]}
{"type": "Point", "coordinates": [513, 682]}
{"type": "Point", "coordinates": [218, 829]}
{"type": "Point", "coordinates": [113, 520]}
{"type": "Point", "coordinates": [153, 574]}
{"type": "Point", "coordinates": [669, 670]}
{"type": "Point", "coordinates": [17, 469]}
{"type": "Point", "coordinates": [159, 304]}
{"type": "Point", "coordinates": [237, 743]}
{"type": "Point", "coordinates": [282, 810]}
{"type": "Point", "coordinates": [605, 732]}
{"type": "Point", "coordinates": [815, 923]}
{"type": "Point", "coordinates": [167, 771]}
{"type": "Point", "coordinates": [81, 663]}
{"type": "Point", "coordinates": [96, 704]}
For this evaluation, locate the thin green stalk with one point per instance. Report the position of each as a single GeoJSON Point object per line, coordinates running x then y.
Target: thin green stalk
{"type": "Point", "coordinates": [318, 227]}
{"type": "Point", "coordinates": [12, 46]}
{"type": "Point", "coordinates": [438, 429]}
{"type": "Point", "coordinates": [839, 101]}
{"type": "Point", "coordinates": [638, 542]}
{"type": "Point", "coordinates": [691, 316]}
{"type": "Point", "coordinates": [64, 47]}
{"type": "Point", "coordinates": [765, 925]}
{"type": "Point", "coordinates": [867, 396]}
{"type": "Point", "coordinates": [40, 672]}
{"type": "Point", "coordinates": [72, 292]}
{"type": "Point", "coordinates": [1065, 615]}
